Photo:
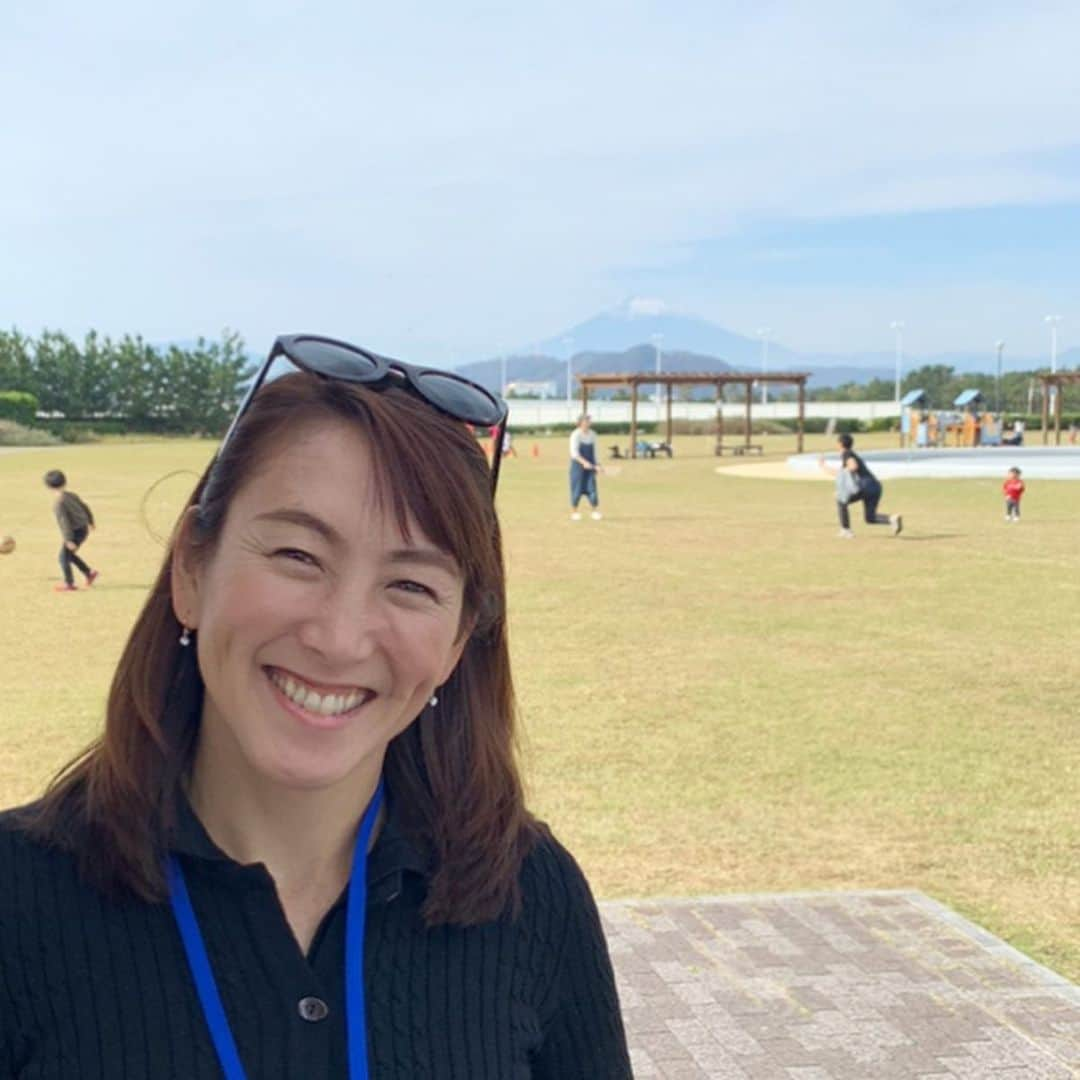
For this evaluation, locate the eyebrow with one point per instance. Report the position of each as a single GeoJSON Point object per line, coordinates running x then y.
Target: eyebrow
{"type": "Point", "coordinates": [435, 557]}
{"type": "Point", "coordinates": [305, 521]}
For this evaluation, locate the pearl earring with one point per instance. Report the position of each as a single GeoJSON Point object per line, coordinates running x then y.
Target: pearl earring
{"type": "Point", "coordinates": [434, 701]}
{"type": "Point", "coordinates": [185, 636]}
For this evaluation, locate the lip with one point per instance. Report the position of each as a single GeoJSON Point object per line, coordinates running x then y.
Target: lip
{"type": "Point", "coordinates": [320, 688]}
{"type": "Point", "coordinates": [310, 719]}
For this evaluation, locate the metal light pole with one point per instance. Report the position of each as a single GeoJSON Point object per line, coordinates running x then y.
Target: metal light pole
{"type": "Point", "coordinates": [1052, 321]}
{"type": "Point", "coordinates": [898, 328]}
{"type": "Point", "coordinates": [657, 340]}
{"type": "Point", "coordinates": [764, 335]}
{"type": "Point", "coordinates": [999, 346]}
{"type": "Point", "coordinates": [568, 342]}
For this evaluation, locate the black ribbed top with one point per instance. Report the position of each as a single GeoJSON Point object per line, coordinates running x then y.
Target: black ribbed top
{"type": "Point", "coordinates": [100, 990]}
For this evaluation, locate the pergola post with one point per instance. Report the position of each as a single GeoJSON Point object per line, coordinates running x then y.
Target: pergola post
{"type": "Point", "coordinates": [1045, 409]}
{"type": "Point", "coordinates": [749, 403]}
{"type": "Point", "coordinates": [633, 418]}
{"type": "Point", "coordinates": [1058, 395]}
{"type": "Point", "coordinates": [584, 396]}
{"type": "Point", "coordinates": [800, 428]}
{"type": "Point", "coordinates": [719, 419]}
{"type": "Point", "coordinates": [668, 437]}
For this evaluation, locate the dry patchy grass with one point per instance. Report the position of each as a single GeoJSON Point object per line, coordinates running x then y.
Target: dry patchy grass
{"type": "Point", "coordinates": [717, 695]}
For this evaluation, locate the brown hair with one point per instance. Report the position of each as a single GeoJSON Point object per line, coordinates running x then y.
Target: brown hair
{"type": "Point", "coordinates": [452, 774]}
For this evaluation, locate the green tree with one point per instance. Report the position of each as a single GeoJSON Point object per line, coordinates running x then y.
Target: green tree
{"type": "Point", "coordinates": [56, 373]}
{"type": "Point", "coordinates": [16, 362]}
{"type": "Point", "coordinates": [138, 372]}
{"type": "Point", "coordinates": [202, 386]}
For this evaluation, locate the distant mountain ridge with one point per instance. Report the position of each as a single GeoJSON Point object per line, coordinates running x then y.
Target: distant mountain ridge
{"type": "Point", "coordinates": [625, 338]}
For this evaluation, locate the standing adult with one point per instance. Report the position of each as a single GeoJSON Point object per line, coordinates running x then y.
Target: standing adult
{"type": "Point", "coordinates": [300, 847]}
{"type": "Point", "coordinates": [583, 468]}
{"type": "Point", "coordinates": [856, 483]}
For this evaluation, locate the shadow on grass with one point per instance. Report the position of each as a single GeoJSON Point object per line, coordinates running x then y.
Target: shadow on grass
{"type": "Point", "coordinates": [102, 587]}
{"type": "Point", "coordinates": [906, 539]}
{"type": "Point", "coordinates": [653, 517]}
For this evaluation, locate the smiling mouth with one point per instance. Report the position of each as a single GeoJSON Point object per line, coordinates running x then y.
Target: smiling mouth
{"type": "Point", "coordinates": [332, 703]}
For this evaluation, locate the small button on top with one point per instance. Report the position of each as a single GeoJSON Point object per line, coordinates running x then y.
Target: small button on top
{"type": "Point", "coordinates": [313, 1009]}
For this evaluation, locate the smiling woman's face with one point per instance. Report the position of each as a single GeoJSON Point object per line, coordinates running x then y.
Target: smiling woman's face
{"type": "Point", "coordinates": [321, 630]}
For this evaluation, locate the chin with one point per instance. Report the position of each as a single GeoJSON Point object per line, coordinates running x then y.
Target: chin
{"type": "Point", "coordinates": [306, 776]}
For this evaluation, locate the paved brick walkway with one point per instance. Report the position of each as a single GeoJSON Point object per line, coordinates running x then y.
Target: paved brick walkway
{"type": "Point", "coordinates": [834, 986]}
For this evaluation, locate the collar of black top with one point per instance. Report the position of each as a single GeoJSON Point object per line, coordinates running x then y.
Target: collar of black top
{"type": "Point", "coordinates": [392, 856]}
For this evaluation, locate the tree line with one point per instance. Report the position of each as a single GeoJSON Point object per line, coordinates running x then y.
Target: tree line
{"type": "Point", "coordinates": [1019, 390]}
{"type": "Point", "coordinates": [127, 382]}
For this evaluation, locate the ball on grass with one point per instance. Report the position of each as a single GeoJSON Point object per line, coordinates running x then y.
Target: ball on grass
{"type": "Point", "coordinates": [7, 545]}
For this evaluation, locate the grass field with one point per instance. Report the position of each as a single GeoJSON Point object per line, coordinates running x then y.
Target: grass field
{"type": "Point", "coordinates": [718, 695]}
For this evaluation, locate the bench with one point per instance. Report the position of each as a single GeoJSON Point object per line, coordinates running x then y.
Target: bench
{"type": "Point", "coordinates": [753, 448]}
{"type": "Point", "coordinates": [651, 449]}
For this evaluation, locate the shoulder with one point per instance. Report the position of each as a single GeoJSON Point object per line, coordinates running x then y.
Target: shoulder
{"type": "Point", "coordinates": [14, 839]}
{"type": "Point", "coordinates": [29, 865]}
{"type": "Point", "coordinates": [19, 850]}
{"type": "Point", "coordinates": [553, 887]}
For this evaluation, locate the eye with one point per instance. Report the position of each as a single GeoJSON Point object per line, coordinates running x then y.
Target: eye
{"type": "Point", "coordinates": [415, 588]}
{"type": "Point", "coordinates": [296, 555]}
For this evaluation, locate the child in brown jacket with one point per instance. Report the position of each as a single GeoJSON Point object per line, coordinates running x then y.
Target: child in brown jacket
{"type": "Point", "coordinates": [75, 519]}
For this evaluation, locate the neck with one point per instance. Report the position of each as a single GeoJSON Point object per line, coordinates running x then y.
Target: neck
{"type": "Point", "coordinates": [304, 838]}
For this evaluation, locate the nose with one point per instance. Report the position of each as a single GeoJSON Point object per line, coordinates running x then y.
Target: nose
{"type": "Point", "coordinates": [349, 624]}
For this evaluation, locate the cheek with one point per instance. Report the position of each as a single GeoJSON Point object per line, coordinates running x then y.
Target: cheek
{"type": "Point", "coordinates": [422, 650]}
{"type": "Point", "coordinates": [243, 602]}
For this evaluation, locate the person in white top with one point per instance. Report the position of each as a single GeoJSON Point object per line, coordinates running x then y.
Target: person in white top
{"type": "Point", "coordinates": [583, 468]}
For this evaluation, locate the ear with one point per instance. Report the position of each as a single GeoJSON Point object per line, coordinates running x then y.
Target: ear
{"type": "Point", "coordinates": [185, 573]}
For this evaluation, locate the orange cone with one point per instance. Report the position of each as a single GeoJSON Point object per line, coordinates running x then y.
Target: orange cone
{"type": "Point", "coordinates": [535, 449]}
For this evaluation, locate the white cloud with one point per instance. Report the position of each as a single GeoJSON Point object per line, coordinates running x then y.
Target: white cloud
{"type": "Point", "coordinates": [448, 177]}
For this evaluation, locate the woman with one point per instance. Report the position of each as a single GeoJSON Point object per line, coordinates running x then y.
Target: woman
{"type": "Point", "coordinates": [300, 847]}
{"type": "Point", "coordinates": [583, 468]}
{"type": "Point", "coordinates": [856, 483]}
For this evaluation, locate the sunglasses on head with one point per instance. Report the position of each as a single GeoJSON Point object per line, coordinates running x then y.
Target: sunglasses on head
{"type": "Point", "coordinates": [453, 395]}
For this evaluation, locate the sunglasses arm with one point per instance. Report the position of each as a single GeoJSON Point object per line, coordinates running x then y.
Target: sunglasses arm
{"type": "Point", "coordinates": [497, 454]}
{"type": "Point", "coordinates": [253, 389]}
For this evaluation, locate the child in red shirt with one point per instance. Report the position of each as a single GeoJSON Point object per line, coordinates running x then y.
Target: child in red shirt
{"type": "Point", "coordinates": [1013, 488]}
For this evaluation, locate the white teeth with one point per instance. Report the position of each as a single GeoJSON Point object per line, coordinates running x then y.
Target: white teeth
{"type": "Point", "coordinates": [312, 700]}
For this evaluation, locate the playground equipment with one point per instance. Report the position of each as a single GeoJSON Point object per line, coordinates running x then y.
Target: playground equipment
{"type": "Point", "coordinates": [914, 419]}
{"type": "Point", "coordinates": [967, 424]}
{"type": "Point", "coordinates": [967, 428]}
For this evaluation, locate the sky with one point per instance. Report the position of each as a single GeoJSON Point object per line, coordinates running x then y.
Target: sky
{"type": "Point", "coordinates": [444, 182]}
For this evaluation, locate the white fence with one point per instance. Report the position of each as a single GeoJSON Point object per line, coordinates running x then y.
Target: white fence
{"type": "Point", "coordinates": [538, 413]}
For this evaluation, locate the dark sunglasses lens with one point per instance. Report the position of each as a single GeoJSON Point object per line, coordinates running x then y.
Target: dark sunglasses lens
{"type": "Point", "coordinates": [459, 398]}
{"type": "Point", "coordinates": [332, 360]}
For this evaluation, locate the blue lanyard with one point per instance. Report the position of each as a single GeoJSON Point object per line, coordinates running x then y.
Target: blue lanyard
{"type": "Point", "coordinates": [203, 974]}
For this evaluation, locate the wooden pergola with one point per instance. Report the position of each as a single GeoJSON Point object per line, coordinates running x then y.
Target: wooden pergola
{"type": "Point", "coordinates": [1059, 380]}
{"type": "Point", "coordinates": [636, 379]}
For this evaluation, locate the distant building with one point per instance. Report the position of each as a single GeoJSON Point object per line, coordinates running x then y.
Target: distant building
{"type": "Point", "coordinates": [524, 389]}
